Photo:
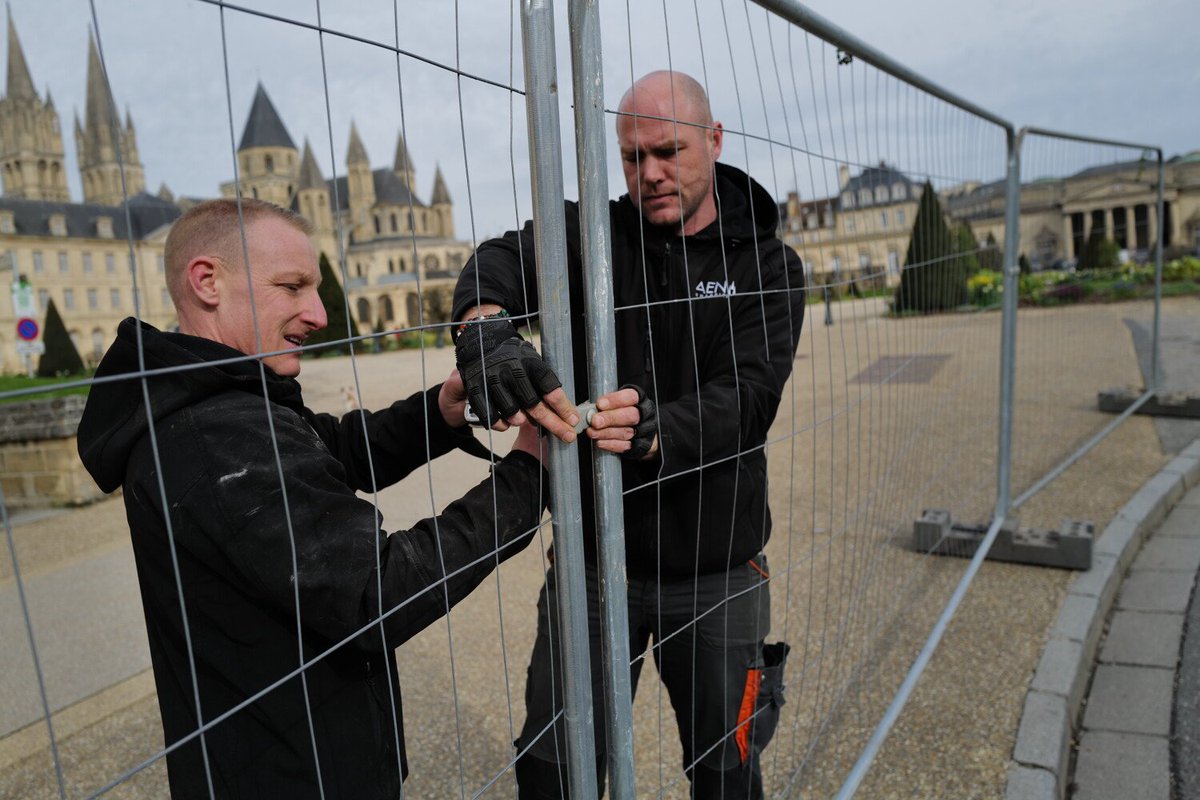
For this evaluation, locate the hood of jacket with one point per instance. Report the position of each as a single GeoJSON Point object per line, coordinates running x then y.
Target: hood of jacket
{"type": "Point", "coordinates": [745, 211]}
{"type": "Point", "coordinates": [115, 417]}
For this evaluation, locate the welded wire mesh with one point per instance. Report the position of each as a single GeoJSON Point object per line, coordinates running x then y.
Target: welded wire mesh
{"type": "Point", "coordinates": [343, 78]}
{"type": "Point", "coordinates": [887, 412]}
{"type": "Point", "coordinates": [1089, 249]}
{"type": "Point", "coordinates": [890, 408]}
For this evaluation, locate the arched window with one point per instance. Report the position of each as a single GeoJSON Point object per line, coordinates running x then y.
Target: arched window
{"type": "Point", "coordinates": [848, 200]}
{"type": "Point", "coordinates": [391, 266]}
{"type": "Point", "coordinates": [387, 312]}
{"type": "Point", "coordinates": [364, 310]}
{"type": "Point", "coordinates": [394, 228]}
{"type": "Point", "coordinates": [899, 191]}
{"type": "Point", "coordinates": [881, 194]}
{"type": "Point", "coordinates": [254, 192]}
{"type": "Point", "coordinates": [376, 224]}
{"type": "Point", "coordinates": [864, 196]}
{"type": "Point", "coordinates": [269, 163]}
{"type": "Point", "coordinates": [97, 344]}
{"type": "Point", "coordinates": [410, 220]}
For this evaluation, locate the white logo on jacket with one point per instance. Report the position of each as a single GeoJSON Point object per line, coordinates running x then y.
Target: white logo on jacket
{"type": "Point", "coordinates": [716, 288]}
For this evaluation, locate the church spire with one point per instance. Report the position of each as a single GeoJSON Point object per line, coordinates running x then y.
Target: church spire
{"type": "Point", "coordinates": [356, 153]}
{"type": "Point", "coordinates": [310, 173]}
{"type": "Point", "coordinates": [402, 165]}
{"type": "Point", "coordinates": [105, 148]}
{"type": "Point", "coordinates": [31, 148]}
{"type": "Point", "coordinates": [264, 127]}
{"type": "Point", "coordinates": [20, 82]}
{"type": "Point", "coordinates": [440, 193]}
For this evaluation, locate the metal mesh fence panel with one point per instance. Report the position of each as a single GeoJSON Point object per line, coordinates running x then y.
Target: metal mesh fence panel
{"type": "Point", "coordinates": [1090, 263]}
{"type": "Point", "coordinates": [805, 421]}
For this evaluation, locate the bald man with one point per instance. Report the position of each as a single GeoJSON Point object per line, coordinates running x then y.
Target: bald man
{"type": "Point", "coordinates": [255, 555]}
{"type": "Point", "coordinates": [709, 306]}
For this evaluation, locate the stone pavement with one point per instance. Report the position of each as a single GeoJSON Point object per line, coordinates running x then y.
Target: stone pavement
{"type": "Point", "coordinates": [1126, 697]}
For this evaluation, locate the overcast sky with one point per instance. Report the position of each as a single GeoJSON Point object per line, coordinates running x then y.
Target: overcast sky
{"type": "Point", "coordinates": [1111, 69]}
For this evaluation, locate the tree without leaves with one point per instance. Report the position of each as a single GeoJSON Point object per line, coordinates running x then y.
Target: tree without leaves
{"type": "Point", "coordinates": [934, 279]}
{"type": "Point", "coordinates": [61, 357]}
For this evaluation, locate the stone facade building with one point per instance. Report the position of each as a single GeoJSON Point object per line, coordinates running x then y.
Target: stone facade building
{"type": "Point", "coordinates": [862, 234]}
{"type": "Point", "coordinates": [1117, 201]}
{"type": "Point", "coordinates": [395, 245]}
{"type": "Point", "coordinates": [76, 254]}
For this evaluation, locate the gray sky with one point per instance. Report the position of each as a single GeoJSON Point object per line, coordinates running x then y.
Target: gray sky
{"type": "Point", "coordinates": [1107, 68]}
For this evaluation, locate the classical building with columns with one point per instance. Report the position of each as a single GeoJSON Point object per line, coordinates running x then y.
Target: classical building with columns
{"type": "Point", "coordinates": [861, 234]}
{"type": "Point", "coordinates": [1118, 202]}
{"type": "Point", "coordinates": [395, 245]}
{"type": "Point", "coordinates": [76, 254]}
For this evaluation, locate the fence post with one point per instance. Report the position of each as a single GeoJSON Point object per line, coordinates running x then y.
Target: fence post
{"type": "Point", "coordinates": [1155, 365]}
{"type": "Point", "coordinates": [550, 238]}
{"type": "Point", "coordinates": [595, 226]}
{"type": "Point", "coordinates": [1008, 325]}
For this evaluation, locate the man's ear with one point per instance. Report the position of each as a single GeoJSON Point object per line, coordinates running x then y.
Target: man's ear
{"type": "Point", "coordinates": [718, 135]}
{"type": "Point", "coordinates": [201, 274]}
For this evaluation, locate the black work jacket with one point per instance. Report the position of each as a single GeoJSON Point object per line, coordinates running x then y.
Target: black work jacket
{"type": "Point", "coordinates": [708, 325]}
{"type": "Point", "coordinates": [250, 559]}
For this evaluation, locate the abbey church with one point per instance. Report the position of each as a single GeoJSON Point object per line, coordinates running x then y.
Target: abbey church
{"type": "Point", "coordinates": [395, 246]}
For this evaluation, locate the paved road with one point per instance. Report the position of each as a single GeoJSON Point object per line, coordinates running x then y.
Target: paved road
{"type": "Point", "coordinates": [87, 612]}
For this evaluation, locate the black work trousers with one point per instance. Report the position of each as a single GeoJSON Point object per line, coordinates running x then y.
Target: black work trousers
{"type": "Point", "coordinates": [724, 685]}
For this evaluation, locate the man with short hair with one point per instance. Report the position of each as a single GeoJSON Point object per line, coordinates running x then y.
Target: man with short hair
{"type": "Point", "coordinates": [709, 306]}
{"type": "Point", "coordinates": [273, 599]}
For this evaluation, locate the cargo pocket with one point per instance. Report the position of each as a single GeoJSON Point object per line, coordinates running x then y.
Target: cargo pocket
{"type": "Point", "coordinates": [761, 702]}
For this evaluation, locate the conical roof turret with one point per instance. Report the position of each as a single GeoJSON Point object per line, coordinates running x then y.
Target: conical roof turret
{"type": "Point", "coordinates": [356, 153]}
{"type": "Point", "coordinates": [310, 174]}
{"type": "Point", "coordinates": [264, 128]}
{"type": "Point", "coordinates": [20, 82]}
{"type": "Point", "coordinates": [440, 193]}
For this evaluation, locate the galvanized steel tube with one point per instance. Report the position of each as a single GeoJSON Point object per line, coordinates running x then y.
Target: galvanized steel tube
{"type": "Point", "coordinates": [1008, 324]}
{"type": "Point", "coordinates": [550, 237]}
{"type": "Point", "coordinates": [596, 234]}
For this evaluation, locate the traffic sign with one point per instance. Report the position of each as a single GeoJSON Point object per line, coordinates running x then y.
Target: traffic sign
{"type": "Point", "coordinates": [23, 299]}
{"type": "Point", "coordinates": [27, 329]}
{"type": "Point", "coordinates": [30, 348]}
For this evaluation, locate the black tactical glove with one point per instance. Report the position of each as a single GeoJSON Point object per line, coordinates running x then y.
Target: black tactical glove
{"type": "Point", "coordinates": [491, 353]}
{"type": "Point", "coordinates": [647, 425]}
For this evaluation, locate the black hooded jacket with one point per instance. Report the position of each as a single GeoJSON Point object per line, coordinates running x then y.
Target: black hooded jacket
{"type": "Point", "coordinates": [253, 550]}
{"type": "Point", "coordinates": [708, 325]}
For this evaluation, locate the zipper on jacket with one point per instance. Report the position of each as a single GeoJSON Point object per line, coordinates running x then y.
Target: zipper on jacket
{"type": "Point", "coordinates": [666, 271]}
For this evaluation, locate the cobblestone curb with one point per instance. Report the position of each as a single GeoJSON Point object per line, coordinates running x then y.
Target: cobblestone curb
{"type": "Point", "coordinates": [1041, 754]}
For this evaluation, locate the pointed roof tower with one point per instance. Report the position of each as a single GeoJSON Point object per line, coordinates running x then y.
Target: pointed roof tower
{"type": "Point", "coordinates": [264, 128]}
{"type": "Point", "coordinates": [310, 173]}
{"type": "Point", "coordinates": [100, 115]}
{"type": "Point", "coordinates": [20, 83]}
{"type": "Point", "coordinates": [440, 193]}
{"type": "Point", "coordinates": [402, 164]}
{"type": "Point", "coordinates": [106, 148]}
{"type": "Point", "coordinates": [31, 148]}
{"type": "Point", "coordinates": [356, 153]}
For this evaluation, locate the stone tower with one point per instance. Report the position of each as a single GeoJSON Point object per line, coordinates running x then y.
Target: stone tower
{"type": "Point", "coordinates": [268, 161]}
{"type": "Point", "coordinates": [442, 205]}
{"type": "Point", "coordinates": [361, 187]}
{"type": "Point", "coordinates": [402, 165]}
{"type": "Point", "coordinates": [31, 148]}
{"type": "Point", "coordinates": [104, 145]}
{"type": "Point", "coordinates": [312, 193]}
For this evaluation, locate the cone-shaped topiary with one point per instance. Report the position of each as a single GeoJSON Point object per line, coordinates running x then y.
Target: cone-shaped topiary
{"type": "Point", "coordinates": [335, 309]}
{"type": "Point", "coordinates": [61, 357]}
{"type": "Point", "coordinates": [934, 278]}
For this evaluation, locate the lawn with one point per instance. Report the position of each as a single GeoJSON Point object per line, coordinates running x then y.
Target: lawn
{"type": "Point", "coordinates": [16, 383]}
